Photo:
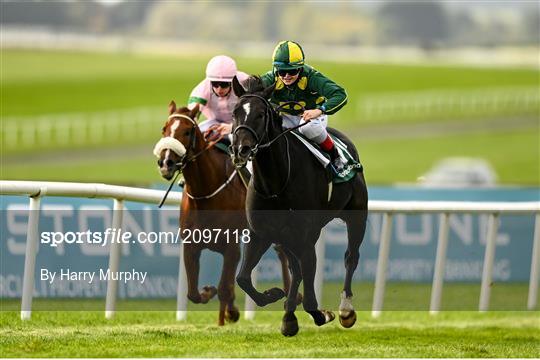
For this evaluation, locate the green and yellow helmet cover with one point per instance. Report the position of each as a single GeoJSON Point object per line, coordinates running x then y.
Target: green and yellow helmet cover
{"type": "Point", "coordinates": [288, 55]}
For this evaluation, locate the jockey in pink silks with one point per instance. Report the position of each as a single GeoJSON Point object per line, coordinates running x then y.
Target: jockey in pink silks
{"type": "Point", "coordinates": [215, 97]}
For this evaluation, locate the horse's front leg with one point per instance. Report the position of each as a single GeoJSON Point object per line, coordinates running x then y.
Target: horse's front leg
{"type": "Point", "coordinates": [191, 260]}
{"type": "Point", "coordinates": [253, 251]}
{"type": "Point", "coordinates": [227, 310]}
{"type": "Point", "coordinates": [289, 324]}
{"type": "Point", "coordinates": [309, 265]}
{"type": "Point", "coordinates": [286, 271]}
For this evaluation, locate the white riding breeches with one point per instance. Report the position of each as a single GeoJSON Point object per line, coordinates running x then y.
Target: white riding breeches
{"type": "Point", "coordinates": [315, 130]}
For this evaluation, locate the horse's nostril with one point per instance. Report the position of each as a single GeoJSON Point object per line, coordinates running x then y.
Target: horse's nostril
{"type": "Point", "coordinates": [244, 150]}
{"type": "Point", "coordinates": [160, 163]}
{"type": "Point", "coordinates": [169, 163]}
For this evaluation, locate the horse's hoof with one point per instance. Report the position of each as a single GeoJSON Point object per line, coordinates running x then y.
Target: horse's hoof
{"type": "Point", "coordinates": [289, 327]}
{"type": "Point", "coordinates": [321, 317]}
{"type": "Point", "coordinates": [232, 315]}
{"type": "Point", "coordinates": [274, 294]}
{"type": "Point", "coordinates": [347, 318]}
{"type": "Point", "coordinates": [207, 293]}
{"type": "Point", "coordinates": [329, 316]}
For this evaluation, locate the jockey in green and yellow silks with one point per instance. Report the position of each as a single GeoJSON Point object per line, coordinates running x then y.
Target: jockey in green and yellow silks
{"type": "Point", "coordinates": [316, 95]}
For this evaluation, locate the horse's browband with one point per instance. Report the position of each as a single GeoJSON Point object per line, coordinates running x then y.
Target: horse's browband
{"type": "Point", "coordinates": [182, 116]}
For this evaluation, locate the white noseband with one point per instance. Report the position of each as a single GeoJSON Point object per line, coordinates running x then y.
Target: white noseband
{"type": "Point", "coordinates": [170, 143]}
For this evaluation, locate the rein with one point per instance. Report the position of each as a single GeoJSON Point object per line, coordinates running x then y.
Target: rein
{"type": "Point", "coordinates": [185, 160]}
{"type": "Point", "coordinates": [217, 191]}
{"type": "Point", "coordinates": [269, 114]}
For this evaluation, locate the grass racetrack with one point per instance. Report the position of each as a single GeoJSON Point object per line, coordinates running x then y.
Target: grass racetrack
{"type": "Point", "coordinates": [405, 330]}
{"type": "Point", "coordinates": [157, 334]}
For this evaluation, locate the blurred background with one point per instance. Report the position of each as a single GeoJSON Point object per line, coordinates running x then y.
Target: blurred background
{"type": "Point", "coordinates": [442, 94]}
{"type": "Point", "coordinates": [85, 84]}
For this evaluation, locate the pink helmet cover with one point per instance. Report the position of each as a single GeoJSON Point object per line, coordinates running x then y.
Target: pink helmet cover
{"type": "Point", "coordinates": [221, 68]}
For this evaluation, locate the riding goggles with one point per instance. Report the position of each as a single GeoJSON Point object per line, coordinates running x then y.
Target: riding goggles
{"type": "Point", "coordinates": [221, 84]}
{"type": "Point", "coordinates": [292, 72]}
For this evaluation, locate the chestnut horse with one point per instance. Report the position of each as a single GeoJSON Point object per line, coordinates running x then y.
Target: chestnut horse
{"type": "Point", "coordinates": [214, 200]}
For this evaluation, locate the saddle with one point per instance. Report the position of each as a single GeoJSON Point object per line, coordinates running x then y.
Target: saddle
{"type": "Point", "coordinates": [351, 168]}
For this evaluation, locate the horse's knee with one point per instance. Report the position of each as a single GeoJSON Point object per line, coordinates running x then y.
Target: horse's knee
{"type": "Point", "coordinates": [243, 282]}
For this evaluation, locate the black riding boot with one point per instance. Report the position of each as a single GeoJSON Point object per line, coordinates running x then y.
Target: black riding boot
{"type": "Point", "coordinates": [338, 164]}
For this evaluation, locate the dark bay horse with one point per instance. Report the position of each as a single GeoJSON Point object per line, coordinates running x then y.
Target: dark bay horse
{"type": "Point", "coordinates": [214, 198]}
{"type": "Point", "coordinates": [289, 201]}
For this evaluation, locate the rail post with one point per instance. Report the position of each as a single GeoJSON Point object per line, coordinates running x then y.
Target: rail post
{"type": "Point", "coordinates": [249, 306]}
{"type": "Point", "coordinates": [489, 258]}
{"type": "Point", "coordinates": [115, 251]}
{"type": "Point", "coordinates": [440, 262]}
{"type": "Point", "coordinates": [181, 295]}
{"type": "Point", "coordinates": [535, 266]}
{"type": "Point", "coordinates": [32, 245]}
{"type": "Point", "coordinates": [382, 264]}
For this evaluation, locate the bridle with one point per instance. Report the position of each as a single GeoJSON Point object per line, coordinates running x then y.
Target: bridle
{"type": "Point", "coordinates": [269, 113]}
{"type": "Point", "coordinates": [186, 158]}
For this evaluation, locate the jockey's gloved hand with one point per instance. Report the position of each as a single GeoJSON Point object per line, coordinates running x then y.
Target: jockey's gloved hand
{"type": "Point", "coordinates": [212, 134]}
{"type": "Point", "coordinates": [308, 115]}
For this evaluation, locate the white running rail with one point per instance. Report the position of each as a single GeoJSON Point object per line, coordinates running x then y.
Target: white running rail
{"type": "Point", "coordinates": [36, 190]}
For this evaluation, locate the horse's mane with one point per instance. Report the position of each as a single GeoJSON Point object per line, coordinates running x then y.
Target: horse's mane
{"type": "Point", "coordinates": [253, 84]}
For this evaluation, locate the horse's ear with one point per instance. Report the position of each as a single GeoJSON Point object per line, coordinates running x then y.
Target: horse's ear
{"type": "Point", "coordinates": [267, 92]}
{"type": "Point", "coordinates": [194, 112]}
{"type": "Point", "coordinates": [237, 87]}
{"type": "Point", "coordinates": [172, 107]}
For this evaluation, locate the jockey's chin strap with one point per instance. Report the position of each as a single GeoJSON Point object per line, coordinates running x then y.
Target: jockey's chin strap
{"type": "Point", "coordinates": [185, 159]}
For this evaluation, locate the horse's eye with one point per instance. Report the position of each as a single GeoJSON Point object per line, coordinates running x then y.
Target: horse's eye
{"type": "Point", "coordinates": [186, 133]}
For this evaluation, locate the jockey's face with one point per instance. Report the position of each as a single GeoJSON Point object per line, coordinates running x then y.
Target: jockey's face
{"type": "Point", "coordinates": [289, 76]}
{"type": "Point", "coordinates": [221, 88]}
